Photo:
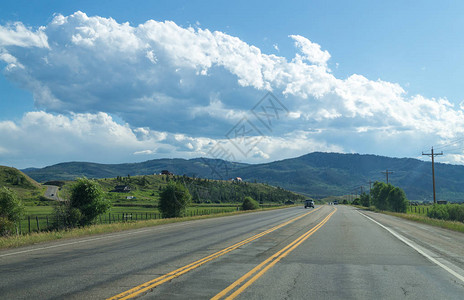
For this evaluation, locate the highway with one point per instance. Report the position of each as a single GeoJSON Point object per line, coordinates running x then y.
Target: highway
{"type": "Point", "coordinates": [330, 252]}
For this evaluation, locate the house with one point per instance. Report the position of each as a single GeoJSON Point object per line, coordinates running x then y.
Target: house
{"type": "Point", "coordinates": [166, 172]}
{"type": "Point", "coordinates": [121, 189]}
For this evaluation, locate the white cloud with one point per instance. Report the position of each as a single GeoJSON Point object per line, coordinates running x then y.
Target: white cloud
{"type": "Point", "coordinates": [312, 51]}
{"type": "Point", "coordinates": [18, 35]}
{"type": "Point", "coordinates": [179, 90]}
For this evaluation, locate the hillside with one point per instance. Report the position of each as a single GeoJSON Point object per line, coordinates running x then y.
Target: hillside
{"type": "Point", "coordinates": [145, 190]}
{"type": "Point", "coordinates": [323, 174]}
{"type": "Point", "coordinates": [23, 185]}
{"type": "Point", "coordinates": [316, 174]}
{"type": "Point", "coordinates": [71, 170]}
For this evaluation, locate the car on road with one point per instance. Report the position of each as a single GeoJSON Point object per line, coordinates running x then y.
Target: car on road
{"type": "Point", "coordinates": [335, 202]}
{"type": "Point", "coordinates": [309, 203]}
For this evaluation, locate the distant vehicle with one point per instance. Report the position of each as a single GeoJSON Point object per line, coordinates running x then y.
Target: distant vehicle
{"type": "Point", "coordinates": [335, 202]}
{"type": "Point", "coordinates": [309, 203]}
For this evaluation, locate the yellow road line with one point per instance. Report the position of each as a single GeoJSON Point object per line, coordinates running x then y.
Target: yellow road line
{"type": "Point", "coordinates": [136, 291]}
{"type": "Point", "coordinates": [268, 263]}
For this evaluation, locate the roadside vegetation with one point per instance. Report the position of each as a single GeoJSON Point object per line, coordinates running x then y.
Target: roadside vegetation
{"type": "Point", "coordinates": [11, 211]}
{"type": "Point", "coordinates": [249, 204]}
{"type": "Point", "coordinates": [107, 202]}
{"type": "Point", "coordinates": [174, 200]}
{"type": "Point", "coordinates": [85, 204]}
{"type": "Point", "coordinates": [384, 197]}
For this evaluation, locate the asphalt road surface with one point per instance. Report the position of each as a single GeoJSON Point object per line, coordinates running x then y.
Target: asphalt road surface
{"type": "Point", "coordinates": [52, 192]}
{"type": "Point", "coordinates": [330, 252]}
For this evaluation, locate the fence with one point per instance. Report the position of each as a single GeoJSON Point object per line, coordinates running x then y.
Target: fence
{"type": "Point", "coordinates": [44, 223]}
{"type": "Point", "coordinates": [419, 209]}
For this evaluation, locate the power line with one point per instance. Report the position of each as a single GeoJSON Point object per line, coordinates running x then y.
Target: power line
{"type": "Point", "coordinates": [451, 143]}
{"type": "Point", "coordinates": [386, 173]}
{"type": "Point", "coordinates": [433, 170]}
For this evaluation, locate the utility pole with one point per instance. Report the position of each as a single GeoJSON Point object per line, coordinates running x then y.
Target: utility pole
{"type": "Point", "coordinates": [433, 171]}
{"type": "Point", "coordinates": [386, 173]}
{"type": "Point", "coordinates": [370, 184]}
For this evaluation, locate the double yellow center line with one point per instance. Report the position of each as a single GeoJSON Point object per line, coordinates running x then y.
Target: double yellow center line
{"type": "Point", "coordinates": [241, 284]}
{"type": "Point", "coordinates": [140, 289]}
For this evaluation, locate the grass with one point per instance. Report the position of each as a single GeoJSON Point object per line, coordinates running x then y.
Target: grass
{"type": "Point", "coordinates": [421, 217]}
{"type": "Point", "coordinates": [451, 225]}
{"type": "Point", "coordinates": [47, 236]}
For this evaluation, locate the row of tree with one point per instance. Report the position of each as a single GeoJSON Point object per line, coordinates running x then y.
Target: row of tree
{"type": "Point", "coordinates": [385, 197]}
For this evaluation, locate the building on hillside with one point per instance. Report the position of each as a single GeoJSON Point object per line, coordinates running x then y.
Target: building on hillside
{"type": "Point", "coordinates": [121, 189]}
{"type": "Point", "coordinates": [166, 172]}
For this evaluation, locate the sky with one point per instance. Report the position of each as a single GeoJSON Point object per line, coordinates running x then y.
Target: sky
{"type": "Point", "coordinates": [247, 81]}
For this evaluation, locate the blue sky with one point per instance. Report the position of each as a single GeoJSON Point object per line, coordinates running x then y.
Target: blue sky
{"type": "Point", "coordinates": [122, 81]}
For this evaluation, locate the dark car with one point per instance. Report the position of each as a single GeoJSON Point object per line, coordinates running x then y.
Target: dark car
{"type": "Point", "coordinates": [309, 203]}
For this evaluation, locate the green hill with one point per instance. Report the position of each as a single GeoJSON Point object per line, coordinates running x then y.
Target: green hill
{"type": "Point", "coordinates": [145, 190]}
{"type": "Point", "coordinates": [315, 174]}
{"type": "Point", "coordinates": [23, 185]}
{"type": "Point", "coordinates": [72, 170]}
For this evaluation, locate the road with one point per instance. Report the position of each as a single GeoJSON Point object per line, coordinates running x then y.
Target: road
{"type": "Point", "coordinates": [52, 192]}
{"type": "Point", "coordinates": [331, 252]}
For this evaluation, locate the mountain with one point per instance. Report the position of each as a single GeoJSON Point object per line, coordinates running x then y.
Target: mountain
{"type": "Point", "coordinates": [315, 174]}
{"type": "Point", "coordinates": [322, 174]}
{"type": "Point", "coordinates": [198, 167]}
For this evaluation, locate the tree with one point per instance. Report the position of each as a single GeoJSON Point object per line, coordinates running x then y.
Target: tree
{"type": "Point", "coordinates": [86, 203]}
{"type": "Point", "coordinates": [397, 200]}
{"type": "Point", "coordinates": [388, 197]}
{"type": "Point", "coordinates": [11, 211]}
{"type": "Point", "coordinates": [174, 200]}
{"type": "Point", "coordinates": [364, 200]}
{"type": "Point", "coordinates": [380, 193]}
{"type": "Point", "coordinates": [249, 204]}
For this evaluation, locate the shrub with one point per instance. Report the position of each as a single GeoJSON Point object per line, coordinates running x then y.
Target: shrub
{"type": "Point", "coordinates": [451, 212]}
{"type": "Point", "coordinates": [174, 200]}
{"type": "Point", "coordinates": [364, 200]}
{"type": "Point", "coordinates": [438, 212]}
{"type": "Point", "coordinates": [456, 212]}
{"type": "Point", "coordinates": [84, 206]}
{"type": "Point", "coordinates": [11, 211]}
{"type": "Point", "coordinates": [249, 204]}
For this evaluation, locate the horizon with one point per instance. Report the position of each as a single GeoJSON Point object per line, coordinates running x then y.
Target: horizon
{"type": "Point", "coordinates": [246, 82]}
{"type": "Point", "coordinates": [256, 163]}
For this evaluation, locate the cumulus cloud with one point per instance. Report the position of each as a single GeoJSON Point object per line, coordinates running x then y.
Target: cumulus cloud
{"type": "Point", "coordinates": [180, 90]}
{"type": "Point", "coordinates": [311, 51]}
{"type": "Point", "coordinates": [18, 35]}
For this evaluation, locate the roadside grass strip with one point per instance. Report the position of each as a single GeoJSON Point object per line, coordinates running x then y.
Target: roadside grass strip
{"type": "Point", "coordinates": [241, 284]}
{"type": "Point", "coordinates": [147, 286]}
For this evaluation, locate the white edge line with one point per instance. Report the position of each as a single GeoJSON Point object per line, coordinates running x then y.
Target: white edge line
{"type": "Point", "coordinates": [412, 245]}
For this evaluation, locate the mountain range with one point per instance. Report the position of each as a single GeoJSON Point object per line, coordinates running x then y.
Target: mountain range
{"type": "Point", "coordinates": [315, 174]}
